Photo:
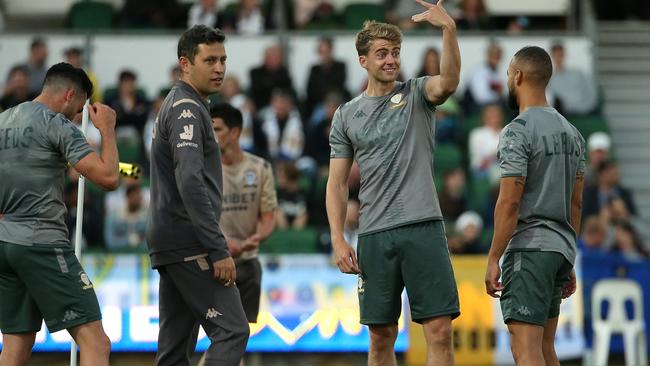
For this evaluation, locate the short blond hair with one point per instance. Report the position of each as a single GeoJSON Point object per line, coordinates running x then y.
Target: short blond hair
{"type": "Point", "coordinates": [373, 30]}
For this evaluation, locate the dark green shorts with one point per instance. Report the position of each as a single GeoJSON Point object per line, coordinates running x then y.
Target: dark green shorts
{"type": "Point", "coordinates": [39, 282]}
{"type": "Point", "coordinates": [533, 282]}
{"type": "Point", "coordinates": [412, 256]}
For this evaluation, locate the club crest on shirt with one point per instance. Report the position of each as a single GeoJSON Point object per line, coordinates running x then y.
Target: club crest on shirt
{"type": "Point", "coordinates": [397, 101]}
{"type": "Point", "coordinates": [250, 178]}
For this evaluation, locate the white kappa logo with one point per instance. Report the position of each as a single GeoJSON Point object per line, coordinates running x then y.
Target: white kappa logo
{"type": "Point", "coordinates": [189, 132]}
{"type": "Point", "coordinates": [186, 113]}
{"type": "Point", "coordinates": [212, 313]}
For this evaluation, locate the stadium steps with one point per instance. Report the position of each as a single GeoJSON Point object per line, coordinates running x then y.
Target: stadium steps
{"type": "Point", "coordinates": [623, 67]}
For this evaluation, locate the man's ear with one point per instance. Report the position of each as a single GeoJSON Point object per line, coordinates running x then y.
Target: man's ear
{"type": "Point", "coordinates": [70, 94]}
{"type": "Point", "coordinates": [519, 77]}
{"type": "Point", "coordinates": [184, 63]}
{"type": "Point", "coordinates": [363, 61]}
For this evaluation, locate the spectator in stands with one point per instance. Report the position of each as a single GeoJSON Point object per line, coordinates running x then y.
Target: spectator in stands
{"type": "Point", "coordinates": [147, 133]}
{"type": "Point", "coordinates": [400, 12]}
{"type": "Point", "coordinates": [93, 219]}
{"type": "Point", "coordinates": [599, 145]}
{"type": "Point", "coordinates": [317, 141]}
{"type": "Point", "coordinates": [249, 18]}
{"type": "Point", "coordinates": [116, 201]}
{"type": "Point", "coordinates": [174, 76]}
{"type": "Point", "coordinates": [36, 65]}
{"type": "Point", "coordinates": [272, 74]}
{"type": "Point", "coordinates": [473, 16]}
{"type": "Point", "coordinates": [252, 138]}
{"type": "Point", "coordinates": [627, 242]}
{"type": "Point", "coordinates": [351, 226]}
{"type": "Point", "coordinates": [282, 127]}
{"type": "Point", "coordinates": [574, 91]}
{"type": "Point", "coordinates": [452, 197]}
{"type": "Point", "coordinates": [132, 108]}
{"type": "Point", "coordinates": [17, 88]}
{"type": "Point", "coordinates": [486, 84]}
{"type": "Point", "coordinates": [328, 75]}
{"type": "Point", "coordinates": [74, 56]}
{"type": "Point", "coordinates": [126, 228]}
{"type": "Point", "coordinates": [152, 14]}
{"type": "Point", "coordinates": [204, 12]}
{"type": "Point", "coordinates": [430, 63]}
{"type": "Point", "coordinates": [292, 200]}
{"type": "Point", "coordinates": [467, 236]}
{"type": "Point", "coordinates": [608, 188]}
{"type": "Point", "coordinates": [483, 143]}
{"type": "Point", "coordinates": [594, 232]}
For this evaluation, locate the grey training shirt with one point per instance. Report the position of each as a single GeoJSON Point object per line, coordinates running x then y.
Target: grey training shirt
{"type": "Point", "coordinates": [541, 145]}
{"type": "Point", "coordinates": [392, 139]}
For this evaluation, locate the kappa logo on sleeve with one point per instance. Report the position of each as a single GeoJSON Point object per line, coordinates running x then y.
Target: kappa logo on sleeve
{"type": "Point", "coordinates": [186, 113]}
{"type": "Point", "coordinates": [189, 132]}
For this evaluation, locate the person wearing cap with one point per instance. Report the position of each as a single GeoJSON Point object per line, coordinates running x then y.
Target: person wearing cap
{"type": "Point", "coordinates": [599, 144]}
{"type": "Point", "coordinates": [74, 56]}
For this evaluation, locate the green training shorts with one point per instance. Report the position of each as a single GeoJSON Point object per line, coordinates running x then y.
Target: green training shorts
{"type": "Point", "coordinates": [533, 282]}
{"type": "Point", "coordinates": [414, 256]}
{"type": "Point", "coordinates": [42, 282]}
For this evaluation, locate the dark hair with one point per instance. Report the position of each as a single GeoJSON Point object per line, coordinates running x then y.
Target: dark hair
{"type": "Point", "coordinates": [557, 46]}
{"type": "Point", "coordinates": [188, 45]}
{"type": "Point", "coordinates": [65, 75]}
{"type": "Point", "coordinates": [132, 188]}
{"type": "Point", "coordinates": [230, 115]}
{"type": "Point", "coordinates": [604, 165]}
{"type": "Point", "coordinates": [127, 75]}
{"type": "Point", "coordinates": [37, 42]}
{"type": "Point", "coordinates": [18, 68]}
{"type": "Point", "coordinates": [327, 40]}
{"type": "Point", "coordinates": [540, 67]}
{"type": "Point", "coordinates": [73, 51]}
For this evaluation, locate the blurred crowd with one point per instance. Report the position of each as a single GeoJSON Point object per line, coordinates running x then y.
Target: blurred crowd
{"type": "Point", "coordinates": [292, 133]}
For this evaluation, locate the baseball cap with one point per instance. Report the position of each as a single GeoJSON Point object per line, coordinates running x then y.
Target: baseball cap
{"type": "Point", "coordinates": [599, 141]}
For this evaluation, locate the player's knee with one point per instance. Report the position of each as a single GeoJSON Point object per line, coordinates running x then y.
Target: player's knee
{"type": "Point", "coordinates": [241, 334]}
{"type": "Point", "coordinates": [383, 336]}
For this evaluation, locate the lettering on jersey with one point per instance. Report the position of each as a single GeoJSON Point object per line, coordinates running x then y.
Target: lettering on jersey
{"type": "Point", "coordinates": [238, 201]}
{"type": "Point", "coordinates": [561, 144]}
{"type": "Point", "coordinates": [186, 113]}
{"type": "Point", "coordinates": [250, 179]}
{"type": "Point", "coordinates": [15, 137]}
{"type": "Point", "coordinates": [188, 132]}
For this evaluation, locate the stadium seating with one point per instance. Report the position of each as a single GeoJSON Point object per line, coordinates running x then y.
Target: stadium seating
{"type": "Point", "coordinates": [355, 14]}
{"type": "Point", "coordinates": [91, 15]}
{"type": "Point", "coordinates": [291, 242]}
{"type": "Point", "coordinates": [446, 157]}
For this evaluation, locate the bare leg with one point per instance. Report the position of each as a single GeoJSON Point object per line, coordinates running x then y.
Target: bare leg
{"type": "Point", "coordinates": [94, 345]}
{"type": "Point", "coordinates": [548, 343]}
{"type": "Point", "coordinates": [437, 332]}
{"type": "Point", "coordinates": [16, 348]}
{"type": "Point", "coordinates": [526, 343]}
{"type": "Point", "coordinates": [382, 345]}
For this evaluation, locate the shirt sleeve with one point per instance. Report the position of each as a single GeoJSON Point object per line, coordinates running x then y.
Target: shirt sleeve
{"type": "Point", "coordinates": [340, 144]}
{"type": "Point", "coordinates": [514, 149]}
{"type": "Point", "coordinates": [68, 140]}
{"type": "Point", "coordinates": [582, 164]}
{"type": "Point", "coordinates": [420, 85]}
{"type": "Point", "coordinates": [269, 199]}
{"type": "Point", "coordinates": [187, 137]}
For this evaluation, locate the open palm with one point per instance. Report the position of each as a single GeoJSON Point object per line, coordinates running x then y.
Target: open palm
{"type": "Point", "coordinates": [435, 14]}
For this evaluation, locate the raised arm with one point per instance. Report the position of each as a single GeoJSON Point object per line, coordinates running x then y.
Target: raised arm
{"type": "Point", "coordinates": [440, 87]}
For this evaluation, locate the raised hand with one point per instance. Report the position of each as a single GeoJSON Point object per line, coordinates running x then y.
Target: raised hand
{"type": "Point", "coordinates": [435, 14]}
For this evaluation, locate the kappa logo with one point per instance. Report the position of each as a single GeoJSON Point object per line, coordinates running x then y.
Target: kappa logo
{"type": "Point", "coordinates": [69, 315]}
{"type": "Point", "coordinates": [189, 132]}
{"type": "Point", "coordinates": [186, 113]}
{"type": "Point", "coordinates": [358, 114]}
{"type": "Point", "coordinates": [523, 310]}
{"type": "Point", "coordinates": [212, 313]}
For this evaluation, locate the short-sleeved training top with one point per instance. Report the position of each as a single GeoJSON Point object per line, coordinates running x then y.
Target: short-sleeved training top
{"type": "Point", "coordinates": [36, 145]}
{"type": "Point", "coordinates": [541, 145]}
{"type": "Point", "coordinates": [392, 138]}
{"type": "Point", "coordinates": [248, 190]}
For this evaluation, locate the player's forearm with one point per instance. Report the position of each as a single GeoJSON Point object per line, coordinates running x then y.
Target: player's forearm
{"type": "Point", "coordinates": [336, 202]}
{"type": "Point", "coordinates": [450, 60]}
{"type": "Point", "coordinates": [109, 158]}
{"type": "Point", "coordinates": [505, 223]}
{"type": "Point", "coordinates": [266, 225]}
{"type": "Point", "coordinates": [576, 216]}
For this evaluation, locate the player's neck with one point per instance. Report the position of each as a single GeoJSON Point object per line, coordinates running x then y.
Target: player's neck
{"type": "Point", "coordinates": [377, 88]}
{"type": "Point", "coordinates": [49, 101]}
{"type": "Point", "coordinates": [232, 157]}
{"type": "Point", "coordinates": [532, 99]}
{"type": "Point", "coordinates": [187, 81]}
